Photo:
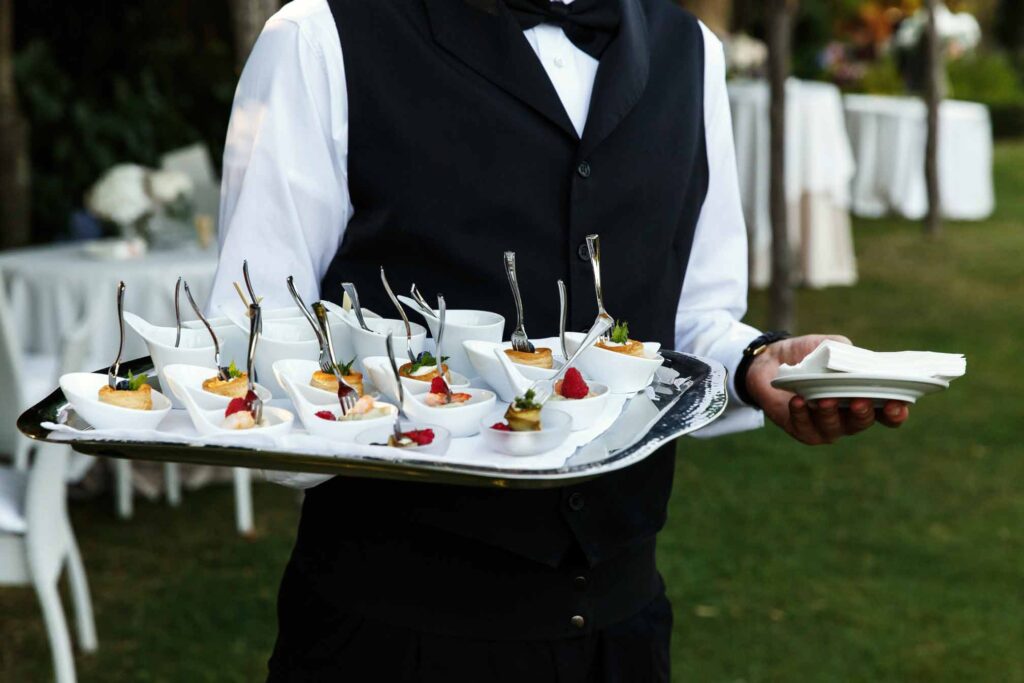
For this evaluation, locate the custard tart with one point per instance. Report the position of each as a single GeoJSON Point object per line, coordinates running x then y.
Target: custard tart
{"type": "Point", "coordinates": [541, 358]}
{"type": "Point", "coordinates": [135, 399]}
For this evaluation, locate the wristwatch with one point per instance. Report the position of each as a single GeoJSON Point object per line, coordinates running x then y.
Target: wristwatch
{"type": "Point", "coordinates": [753, 350]}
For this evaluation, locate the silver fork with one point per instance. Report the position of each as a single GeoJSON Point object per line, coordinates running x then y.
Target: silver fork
{"type": "Point", "coordinates": [397, 427]}
{"type": "Point", "coordinates": [223, 373]}
{"type": "Point", "coordinates": [114, 370]}
{"type": "Point", "coordinates": [437, 347]}
{"type": "Point", "coordinates": [594, 249]}
{"type": "Point", "coordinates": [353, 296]}
{"type": "Point", "coordinates": [177, 312]}
{"type": "Point", "coordinates": [401, 312]}
{"type": "Point", "coordinates": [347, 396]}
{"type": "Point", "coordinates": [421, 300]}
{"type": "Point", "coordinates": [563, 316]}
{"type": "Point", "coordinates": [255, 325]}
{"type": "Point", "coordinates": [601, 325]}
{"type": "Point", "coordinates": [325, 359]}
{"type": "Point", "coordinates": [520, 341]}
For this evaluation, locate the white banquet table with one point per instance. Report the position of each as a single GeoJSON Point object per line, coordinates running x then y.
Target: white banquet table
{"type": "Point", "coordinates": [889, 135]}
{"type": "Point", "coordinates": [819, 169]}
{"type": "Point", "coordinates": [55, 287]}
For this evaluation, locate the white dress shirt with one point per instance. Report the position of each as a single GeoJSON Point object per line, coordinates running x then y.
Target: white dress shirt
{"type": "Point", "coordinates": [285, 202]}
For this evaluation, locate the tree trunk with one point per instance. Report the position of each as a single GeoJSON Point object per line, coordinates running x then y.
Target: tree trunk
{"type": "Point", "coordinates": [934, 83]}
{"type": "Point", "coordinates": [780, 18]}
{"type": "Point", "coordinates": [15, 168]}
{"type": "Point", "coordinates": [248, 17]}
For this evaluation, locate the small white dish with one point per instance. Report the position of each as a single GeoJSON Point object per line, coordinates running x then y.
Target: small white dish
{"type": "Point", "coordinates": [196, 347]}
{"type": "Point", "coordinates": [378, 436]}
{"type": "Point", "coordinates": [190, 378]}
{"type": "Point", "coordinates": [489, 367]}
{"type": "Point", "coordinates": [234, 343]}
{"type": "Point", "coordinates": [276, 422]}
{"type": "Point", "coordinates": [81, 389]}
{"type": "Point", "coordinates": [308, 401]}
{"type": "Point", "coordinates": [621, 373]}
{"type": "Point", "coordinates": [379, 370]}
{"type": "Point", "coordinates": [369, 344]}
{"type": "Point", "coordinates": [460, 325]}
{"type": "Point", "coordinates": [583, 411]}
{"type": "Point", "coordinates": [462, 419]}
{"type": "Point", "coordinates": [340, 330]}
{"type": "Point", "coordinates": [849, 385]}
{"type": "Point", "coordinates": [554, 431]}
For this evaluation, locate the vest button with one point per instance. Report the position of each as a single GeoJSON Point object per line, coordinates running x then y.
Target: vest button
{"type": "Point", "coordinates": [580, 583]}
{"type": "Point", "coordinates": [578, 621]}
{"type": "Point", "coordinates": [584, 169]}
{"type": "Point", "coordinates": [576, 502]}
{"type": "Point", "coordinates": [583, 252]}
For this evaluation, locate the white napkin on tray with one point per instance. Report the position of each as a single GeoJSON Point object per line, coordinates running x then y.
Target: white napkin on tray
{"type": "Point", "coordinates": [836, 357]}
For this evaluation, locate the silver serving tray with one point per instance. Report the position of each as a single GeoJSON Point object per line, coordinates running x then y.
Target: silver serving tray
{"type": "Point", "coordinates": [648, 421]}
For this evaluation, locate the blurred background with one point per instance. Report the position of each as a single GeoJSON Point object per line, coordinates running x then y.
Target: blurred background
{"type": "Point", "coordinates": [881, 158]}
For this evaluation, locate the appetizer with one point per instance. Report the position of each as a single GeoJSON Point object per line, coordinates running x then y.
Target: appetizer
{"type": "Point", "coordinates": [621, 343]}
{"type": "Point", "coordinates": [441, 396]}
{"type": "Point", "coordinates": [366, 408]}
{"type": "Point", "coordinates": [329, 382]}
{"type": "Point", "coordinates": [410, 439]}
{"type": "Point", "coordinates": [235, 387]}
{"type": "Point", "coordinates": [238, 414]}
{"type": "Point", "coordinates": [131, 393]}
{"type": "Point", "coordinates": [573, 387]}
{"type": "Point", "coordinates": [425, 368]}
{"type": "Point", "coordinates": [541, 358]}
{"type": "Point", "coordinates": [523, 415]}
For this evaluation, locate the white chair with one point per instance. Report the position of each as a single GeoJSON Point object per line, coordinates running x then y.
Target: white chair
{"type": "Point", "coordinates": [25, 379]}
{"type": "Point", "coordinates": [36, 540]}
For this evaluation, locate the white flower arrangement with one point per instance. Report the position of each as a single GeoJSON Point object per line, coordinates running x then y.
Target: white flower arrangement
{"type": "Point", "coordinates": [744, 55]}
{"type": "Point", "coordinates": [129, 195]}
{"type": "Point", "coordinates": [960, 32]}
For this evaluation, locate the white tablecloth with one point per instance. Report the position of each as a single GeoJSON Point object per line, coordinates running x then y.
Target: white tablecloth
{"type": "Point", "coordinates": [889, 134]}
{"type": "Point", "coordinates": [819, 168]}
{"type": "Point", "coordinates": [54, 287]}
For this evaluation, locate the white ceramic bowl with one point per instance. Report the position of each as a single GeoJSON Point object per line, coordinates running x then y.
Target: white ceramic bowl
{"type": "Point", "coordinates": [623, 374]}
{"type": "Point", "coordinates": [461, 420]}
{"type": "Point", "coordinates": [341, 332]}
{"type": "Point", "coordinates": [489, 368]}
{"type": "Point", "coordinates": [367, 344]}
{"type": "Point", "coordinates": [308, 401]}
{"type": "Point", "coordinates": [82, 390]}
{"type": "Point", "coordinates": [379, 436]}
{"type": "Point", "coordinates": [555, 429]}
{"type": "Point", "coordinates": [460, 325]}
{"type": "Point", "coordinates": [189, 378]}
{"type": "Point", "coordinates": [383, 378]}
{"type": "Point", "coordinates": [583, 411]}
{"type": "Point", "coordinates": [196, 347]}
{"type": "Point", "coordinates": [276, 421]}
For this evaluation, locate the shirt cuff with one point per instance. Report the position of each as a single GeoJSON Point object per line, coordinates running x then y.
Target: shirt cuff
{"type": "Point", "coordinates": [729, 352]}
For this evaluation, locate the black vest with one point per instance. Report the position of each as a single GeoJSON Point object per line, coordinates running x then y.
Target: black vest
{"type": "Point", "coordinates": [459, 149]}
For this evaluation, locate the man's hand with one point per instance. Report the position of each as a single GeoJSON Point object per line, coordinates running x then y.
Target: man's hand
{"type": "Point", "coordinates": [812, 422]}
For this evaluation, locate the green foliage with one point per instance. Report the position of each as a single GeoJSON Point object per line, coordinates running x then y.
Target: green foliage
{"type": "Point", "coordinates": [987, 77]}
{"type": "Point", "coordinates": [882, 78]}
{"type": "Point", "coordinates": [620, 333]}
{"type": "Point", "coordinates": [233, 371]}
{"type": "Point", "coordinates": [135, 382]}
{"type": "Point", "coordinates": [527, 401]}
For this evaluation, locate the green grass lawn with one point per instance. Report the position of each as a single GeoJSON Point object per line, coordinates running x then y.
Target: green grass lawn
{"type": "Point", "coordinates": [897, 556]}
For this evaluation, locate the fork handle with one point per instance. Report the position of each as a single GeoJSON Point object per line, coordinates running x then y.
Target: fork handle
{"type": "Point", "coordinates": [563, 317]}
{"type": "Point", "coordinates": [325, 330]}
{"type": "Point", "coordinates": [510, 270]}
{"type": "Point", "coordinates": [177, 312]}
{"type": "Point", "coordinates": [255, 323]}
{"type": "Point", "coordinates": [305, 312]}
{"type": "Point", "coordinates": [594, 250]}
{"type": "Point", "coordinates": [115, 369]}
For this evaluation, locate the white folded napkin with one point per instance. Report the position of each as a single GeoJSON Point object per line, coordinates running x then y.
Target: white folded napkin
{"type": "Point", "coordinates": [834, 356]}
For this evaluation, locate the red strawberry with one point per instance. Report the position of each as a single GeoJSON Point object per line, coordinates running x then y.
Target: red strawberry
{"type": "Point", "coordinates": [573, 386]}
{"type": "Point", "coordinates": [326, 415]}
{"type": "Point", "coordinates": [501, 427]}
{"type": "Point", "coordinates": [422, 437]}
{"type": "Point", "coordinates": [237, 405]}
{"type": "Point", "coordinates": [437, 386]}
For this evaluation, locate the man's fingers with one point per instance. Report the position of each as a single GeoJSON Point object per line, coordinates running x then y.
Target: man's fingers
{"type": "Point", "coordinates": [894, 414]}
{"type": "Point", "coordinates": [860, 416]}
{"type": "Point", "coordinates": [825, 414]}
{"type": "Point", "coordinates": [800, 423]}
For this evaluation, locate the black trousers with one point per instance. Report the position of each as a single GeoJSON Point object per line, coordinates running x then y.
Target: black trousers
{"type": "Point", "coordinates": [356, 649]}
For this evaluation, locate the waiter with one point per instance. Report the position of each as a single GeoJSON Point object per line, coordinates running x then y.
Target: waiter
{"type": "Point", "coordinates": [430, 136]}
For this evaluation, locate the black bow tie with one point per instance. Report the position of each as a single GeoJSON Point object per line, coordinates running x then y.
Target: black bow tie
{"type": "Point", "coordinates": [589, 24]}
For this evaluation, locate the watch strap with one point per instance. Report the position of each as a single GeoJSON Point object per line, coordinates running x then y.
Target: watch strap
{"type": "Point", "coordinates": [753, 350]}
